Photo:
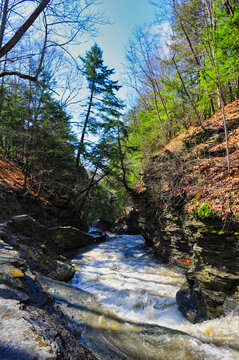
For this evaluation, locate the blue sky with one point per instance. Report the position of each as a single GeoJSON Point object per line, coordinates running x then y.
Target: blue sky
{"type": "Point", "coordinates": [125, 15]}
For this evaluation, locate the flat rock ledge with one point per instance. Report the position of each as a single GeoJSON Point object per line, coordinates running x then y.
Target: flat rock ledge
{"type": "Point", "coordinates": [31, 325]}
{"type": "Point", "coordinates": [45, 248]}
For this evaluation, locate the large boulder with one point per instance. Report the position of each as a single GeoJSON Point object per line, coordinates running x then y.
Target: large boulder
{"type": "Point", "coordinates": [48, 261]}
{"type": "Point", "coordinates": [207, 294]}
{"type": "Point", "coordinates": [132, 223]}
{"type": "Point", "coordinates": [191, 304]}
{"type": "Point", "coordinates": [43, 247]}
{"type": "Point", "coordinates": [64, 237]}
{"type": "Point", "coordinates": [69, 238]}
{"type": "Point", "coordinates": [26, 225]}
{"type": "Point", "coordinates": [127, 224]}
{"type": "Point", "coordinates": [32, 325]}
{"type": "Point", "coordinates": [33, 241]}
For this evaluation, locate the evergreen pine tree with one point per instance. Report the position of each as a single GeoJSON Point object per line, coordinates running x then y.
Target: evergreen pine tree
{"type": "Point", "coordinates": [99, 84]}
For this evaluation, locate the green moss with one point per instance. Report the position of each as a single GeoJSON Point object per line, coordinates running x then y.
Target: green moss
{"type": "Point", "coordinates": [209, 231]}
{"type": "Point", "coordinates": [196, 199]}
{"type": "Point", "coordinates": [213, 231]}
{"type": "Point", "coordinates": [204, 211]}
{"type": "Point", "coordinates": [203, 230]}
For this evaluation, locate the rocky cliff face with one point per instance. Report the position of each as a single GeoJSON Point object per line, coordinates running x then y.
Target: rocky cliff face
{"type": "Point", "coordinates": [208, 255]}
{"type": "Point", "coordinates": [188, 211]}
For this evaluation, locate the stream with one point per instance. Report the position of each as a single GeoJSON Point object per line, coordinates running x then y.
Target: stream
{"type": "Point", "coordinates": [123, 302]}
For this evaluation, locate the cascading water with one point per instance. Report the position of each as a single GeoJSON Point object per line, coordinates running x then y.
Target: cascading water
{"type": "Point", "coordinates": [123, 301]}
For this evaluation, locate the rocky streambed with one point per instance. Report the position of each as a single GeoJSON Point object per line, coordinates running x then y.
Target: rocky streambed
{"type": "Point", "coordinates": [45, 318]}
{"type": "Point", "coordinates": [31, 324]}
{"type": "Point", "coordinates": [121, 302]}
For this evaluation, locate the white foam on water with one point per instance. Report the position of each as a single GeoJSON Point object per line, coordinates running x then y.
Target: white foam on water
{"type": "Point", "coordinates": [130, 283]}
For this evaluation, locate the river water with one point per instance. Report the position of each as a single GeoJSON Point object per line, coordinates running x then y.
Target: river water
{"type": "Point", "coordinates": [124, 305]}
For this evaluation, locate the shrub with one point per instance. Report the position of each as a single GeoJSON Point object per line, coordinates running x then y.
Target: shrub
{"type": "Point", "coordinates": [204, 211]}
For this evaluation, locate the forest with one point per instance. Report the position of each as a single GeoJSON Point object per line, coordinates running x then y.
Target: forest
{"type": "Point", "coordinates": [61, 118]}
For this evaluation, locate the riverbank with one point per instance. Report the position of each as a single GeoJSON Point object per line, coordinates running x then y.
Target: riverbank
{"type": "Point", "coordinates": [188, 212]}
{"type": "Point", "coordinates": [31, 324]}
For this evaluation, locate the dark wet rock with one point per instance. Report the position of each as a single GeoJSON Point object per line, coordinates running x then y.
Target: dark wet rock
{"type": "Point", "coordinates": [69, 238]}
{"type": "Point", "coordinates": [41, 255]}
{"type": "Point", "coordinates": [44, 247]}
{"type": "Point", "coordinates": [96, 232]}
{"type": "Point", "coordinates": [132, 223]}
{"type": "Point", "coordinates": [98, 235]}
{"type": "Point", "coordinates": [208, 254]}
{"type": "Point", "coordinates": [27, 225]}
{"type": "Point", "coordinates": [127, 224]}
{"type": "Point", "coordinates": [48, 261]}
{"type": "Point", "coordinates": [191, 305]}
{"type": "Point", "coordinates": [119, 228]}
{"type": "Point", "coordinates": [208, 289]}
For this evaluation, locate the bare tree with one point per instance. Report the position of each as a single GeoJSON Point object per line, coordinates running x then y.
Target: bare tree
{"type": "Point", "coordinates": [57, 23]}
{"type": "Point", "coordinates": [139, 58]}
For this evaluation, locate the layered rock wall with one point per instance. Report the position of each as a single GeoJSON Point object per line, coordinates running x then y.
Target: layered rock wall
{"type": "Point", "coordinates": [188, 211]}
{"type": "Point", "coordinates": [208, 254]}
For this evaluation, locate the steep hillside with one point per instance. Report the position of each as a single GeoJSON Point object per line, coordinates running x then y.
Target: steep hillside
{"type": "Point", "coordinates": [36, 200]}
{"type": "Point", "coordinates": [206, 177]}
{"type": "Point", "coordinates": [194, 165]}
{"type": "Point", "coordinates": [188, 207]}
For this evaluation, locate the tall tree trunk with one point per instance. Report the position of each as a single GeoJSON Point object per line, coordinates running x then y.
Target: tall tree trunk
{"type": "Point", "coordinates": [3, 22]}
{"type": "Point", "coordinates": [227, 7]}
{"type": "Point", "coordinates": [27, 140]}
{"type": "Point", "coordinates": [23, 29]}
{"type": "Point", "coordinates": [220, 91]}
{"type": "Point", "coordinates": [188, 95]}
{"type": "Point", "coordinates": [230, 91]}
{"type": "Point", "coordinates": [196, 58]}
{"type": "Point", "coordinates": [127, 188]}
{"type": "Point", "coordinates": [85, 196]}
{"type": "Point", "coordinates": [212, 108]}
{"type": "Point", "coordinates": [80, 148]}
{"type": "Point", "coordinates": [1, 102]}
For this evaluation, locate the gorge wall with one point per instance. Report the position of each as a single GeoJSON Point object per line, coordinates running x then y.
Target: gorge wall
{"type": "Point", "coordinates": [188, 211]}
